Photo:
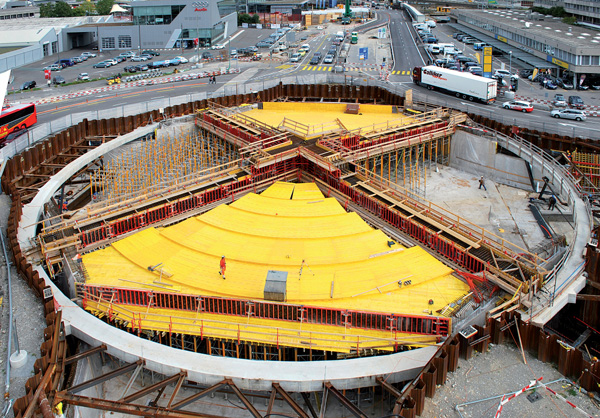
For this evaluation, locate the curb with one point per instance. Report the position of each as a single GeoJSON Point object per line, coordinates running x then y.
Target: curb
{"type": "Point", "coordinates": [140, 83]}
{"type": "Point", "coordinates": [589, 110]}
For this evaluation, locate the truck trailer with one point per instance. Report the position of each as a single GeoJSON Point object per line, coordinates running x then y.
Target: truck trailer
{"type": "Point", "coordinates": [460, 84]}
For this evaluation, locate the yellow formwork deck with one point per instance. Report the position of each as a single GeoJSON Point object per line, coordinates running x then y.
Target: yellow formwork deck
{"type": "Point", "coordinates": [273, 114]}
{"type": "Point", "coordinates": [278, 230]}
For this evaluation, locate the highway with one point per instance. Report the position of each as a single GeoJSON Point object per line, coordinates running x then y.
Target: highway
{"type": "Point", "coordinates": [405, 53]}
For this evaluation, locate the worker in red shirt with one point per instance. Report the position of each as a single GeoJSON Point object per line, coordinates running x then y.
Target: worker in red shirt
{"type": "Point", "coordinates": [223, 267]}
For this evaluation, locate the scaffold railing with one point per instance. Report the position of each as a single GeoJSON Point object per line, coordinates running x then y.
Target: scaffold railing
{"type": "Point", "coordinates": [252, 326]}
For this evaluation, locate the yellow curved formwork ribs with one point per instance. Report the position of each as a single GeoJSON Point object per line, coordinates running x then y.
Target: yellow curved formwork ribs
{"type": "Point", "coordinates": [333, 259]}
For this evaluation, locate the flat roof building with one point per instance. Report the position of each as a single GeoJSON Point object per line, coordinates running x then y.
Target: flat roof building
{"type": "Point", "coordinates": [534, 38]}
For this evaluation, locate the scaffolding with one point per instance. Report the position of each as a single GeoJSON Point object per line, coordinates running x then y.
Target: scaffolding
{"type": "Point", "coordinates": [176, 155]}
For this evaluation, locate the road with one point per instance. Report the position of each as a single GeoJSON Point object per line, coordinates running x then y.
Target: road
{"type": "Point", "coordinates": [405, 52]}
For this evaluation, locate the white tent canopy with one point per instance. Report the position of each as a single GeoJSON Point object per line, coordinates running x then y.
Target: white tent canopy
{"type": "Point", "coordinates": [117, 9]}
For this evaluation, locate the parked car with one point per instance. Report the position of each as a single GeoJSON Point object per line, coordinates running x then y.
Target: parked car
{"type": "Point", "coordinates": [127, 54]}
{"type": "Point", "coordinates": [206, 55]}
{"type": "Point", "coordinates": [518, 105]}
{"type": "Point", "coordinates": [101, 64]}
{"type": "Point", "coordinates": [565, 84]}
{"type": "Point", "coordinates": [83, 77]}
{"type": "Point", "coordinates": [261, 44]}
{"type": "Point", "coordinates": [59, 79]}
{"type": "Point", "coordinates": [28, 85]}
{"type": "Point", "coordinates": [76, 60]}
{"type": "Point", "coordinates": [83, 57]}
{"type": "Point", "coordinates": [574, 114]}
{"type": "Point", "coordinates": [139, 58]}
{"type": "Point", "coordinates": [525, 73]}
{"type": "Point", "coordinates": [576, 102]}
{"type": "Point", "coordinates": [130, 69]}
{"type": "Point", "coordinates": [221, 46]}
{"type": "Point", "coordinates": [182, 60]}
{"type": "Point", "coordinates": [141, 67]}
{"type": "Point", "coordinates": [151, 52]}
{"type": "Point", "coordinates": [476, 70]}
{"type": "Point", "coordinates": [119, 59]}
{"type": "Point", "coordinates": [559, 101]}
{"type": "Point", "coordinates": [506, 73]}
{"type": "Point", "coordinates": [54, 67]}
{"type": "Point", "coordinates": [88, 54]}
{"type": "Point", "coordinates": [549, 84]}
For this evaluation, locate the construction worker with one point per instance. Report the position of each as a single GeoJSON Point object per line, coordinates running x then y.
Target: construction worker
{"type": "Point", "coordinates": [65, 207]}
{"type": "Point", "coordinates": [223, 267]}
{"type": "Point", "coordinates": [482, 183]}
{"type": "Point", "coordinates": [551, 202]}
{"type": "Point", "coordinates": [77, 259]}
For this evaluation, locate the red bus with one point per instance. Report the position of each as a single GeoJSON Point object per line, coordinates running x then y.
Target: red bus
{"type": "Point", "coordinates": [16, 118]}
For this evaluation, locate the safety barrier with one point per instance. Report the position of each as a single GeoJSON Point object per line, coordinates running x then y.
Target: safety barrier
{"type": "Point", "coordinates": [413, 324]}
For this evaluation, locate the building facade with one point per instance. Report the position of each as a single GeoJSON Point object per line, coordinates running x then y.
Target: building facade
{"type": "Point", "coordinates": [571, 50]}
{"type": "Point", "coordinates": [160, 24]}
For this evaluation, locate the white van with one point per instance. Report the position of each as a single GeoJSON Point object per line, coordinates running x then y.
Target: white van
{"type": "Point", "coordinates": [418, 26]}
{"type": "Point", "coordinates": [305, 47]}
{"type": "Point", "coordinates": [431, 23]}
{"type": "Point", "coordinates": [340, 35]}
{"type": "Point", "coordinates": [434, 48]}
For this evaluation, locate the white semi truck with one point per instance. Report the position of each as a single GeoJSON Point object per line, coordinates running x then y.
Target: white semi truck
{"type": "Point", "coordinates": [464, 85]}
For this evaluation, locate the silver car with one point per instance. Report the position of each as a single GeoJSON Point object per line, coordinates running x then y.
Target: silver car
{"type": "Point", "coordinates": [573, 114]}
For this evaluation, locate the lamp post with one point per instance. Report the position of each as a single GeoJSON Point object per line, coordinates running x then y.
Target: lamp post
{"type": "Point", "coordinates": [229, 49]}
{"type": "Point", "coordinates": [510, 62]}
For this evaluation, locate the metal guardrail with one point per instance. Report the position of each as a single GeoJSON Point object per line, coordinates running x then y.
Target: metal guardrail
{"type": "Point", "coordinates": [570, 187]}
{"type": "Point", "coordinates": [42, 131]}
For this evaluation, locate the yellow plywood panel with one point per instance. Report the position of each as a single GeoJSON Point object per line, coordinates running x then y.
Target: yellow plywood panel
{"type": "Point", "coordinates": [280, 190]}
{"type": "Point", "coordinates": [318, 206]}
{"type": "Point", "coordinates": [332, 259]}
{"type": "Point", "coordinates": [307, 191]}
{"type": "Point", "coordinates": [273, 114]}
{"type": "Point", "coordinates": [264, 331]}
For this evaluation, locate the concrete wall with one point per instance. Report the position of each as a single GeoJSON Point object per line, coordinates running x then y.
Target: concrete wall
{"type": "Point", "coordinates": [477, 155]}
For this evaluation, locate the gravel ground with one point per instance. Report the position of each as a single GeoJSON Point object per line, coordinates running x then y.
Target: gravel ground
{"type": "Point", "coordinates": [502, 371]}
{"type": "Point", "coordinates": [30, 323]}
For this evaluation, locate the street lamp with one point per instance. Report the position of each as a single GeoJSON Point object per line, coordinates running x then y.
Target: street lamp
{"type": "Point", "coordinates": [510, 62]}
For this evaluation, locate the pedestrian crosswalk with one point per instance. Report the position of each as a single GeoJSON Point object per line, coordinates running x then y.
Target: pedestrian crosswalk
{"type": "Point", "coordinates": [349, 68]}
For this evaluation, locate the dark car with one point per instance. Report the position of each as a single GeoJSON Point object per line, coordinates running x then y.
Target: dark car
{"type": "Point", "coordinates": [315, 60]}
{"type": "Point", "coordinates": [28, 85]}
{"type": "Point", "coordinates": [101, 64]}
{"type": "Point", "coordinates": [151, 52]}
{"type": "Point", "coordinates": [576, 102]}
{"type": "Point", "coordinates": [525, 73]}
{"type": "Point", "coordinates": [130, 69]}
{"type": "Point", "coordinates": [206, 55]}
{"type": "Point", "coordinates": [59, 79]}
{"type": "Point", "coordinates": [141, 67]}
{"type": "Point", "coordinates": [565, 84]}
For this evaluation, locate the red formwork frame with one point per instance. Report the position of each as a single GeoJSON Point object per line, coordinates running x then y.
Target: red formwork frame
{"type": "Point", "coordinates": [378, 321]}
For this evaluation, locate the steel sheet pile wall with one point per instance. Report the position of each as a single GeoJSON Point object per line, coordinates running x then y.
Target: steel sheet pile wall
{"type": "Point", "coordinates": [541, 139]}
{"type": "Point", "coordinates": [35, 160]}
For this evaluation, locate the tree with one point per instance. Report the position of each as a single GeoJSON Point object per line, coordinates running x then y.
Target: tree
{"type": "Point", "coordinates": [62, 9]}
{"type": "Point", "coordinates": [86, 8]}
{"type": "Point", "coordinates": [244, 18]}
{"type": "Point", "coordinates": [46, 10]}
{"type": "Point", "coordinates": [103, 6]}
{"type": "Point", "coordinates": [255, 18]}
